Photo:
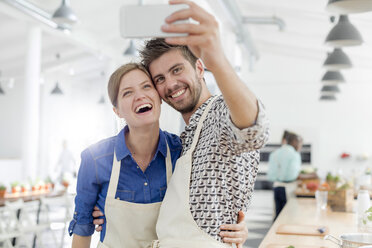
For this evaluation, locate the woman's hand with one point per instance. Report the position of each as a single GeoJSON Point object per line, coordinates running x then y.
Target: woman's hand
{"type": "Point", "coordinates": [238, 234]}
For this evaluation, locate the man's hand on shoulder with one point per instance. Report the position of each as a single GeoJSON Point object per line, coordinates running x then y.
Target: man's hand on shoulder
{"type": "Point", "coordinates": [97, 220]}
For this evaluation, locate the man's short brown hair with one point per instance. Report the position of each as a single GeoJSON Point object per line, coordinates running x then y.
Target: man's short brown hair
{"type": "Point", "coordinates": [115, 79]}
{"type": "Point", "coordinates": [155, 48]}
{"type": "Point", "coordinates": [294, 140]}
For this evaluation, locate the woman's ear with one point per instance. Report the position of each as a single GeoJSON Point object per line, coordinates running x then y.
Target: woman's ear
{"type": "Point", "coordinates": [116, 111]}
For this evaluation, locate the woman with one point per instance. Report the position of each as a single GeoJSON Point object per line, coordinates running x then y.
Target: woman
{"type": "Point", "coordinates": [126, 175]}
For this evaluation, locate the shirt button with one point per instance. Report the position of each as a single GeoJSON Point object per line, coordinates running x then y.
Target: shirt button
{"type": "Point", "coordinates": [137, 167]}
{"type": "Point", "coordinates": [145, 184]}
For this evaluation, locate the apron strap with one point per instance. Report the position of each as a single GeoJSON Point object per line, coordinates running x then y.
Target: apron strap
{"type": "Point", "coordinates": [114, 179]}
{"type": "Point", "coordinates": [168, 163]}
{"type": "Point", "coordinates": [200, 124]}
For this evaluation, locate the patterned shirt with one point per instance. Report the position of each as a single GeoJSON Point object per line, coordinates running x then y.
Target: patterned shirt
{"type": "Point", "coordinates": [224, 167]}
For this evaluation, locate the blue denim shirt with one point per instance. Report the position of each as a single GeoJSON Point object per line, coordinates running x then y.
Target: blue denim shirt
{"type": "Point", "coordinates": [95, 172]}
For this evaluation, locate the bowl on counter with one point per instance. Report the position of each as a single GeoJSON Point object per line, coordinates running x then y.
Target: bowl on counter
{"type": "Point", "coordinates": [352, 240]}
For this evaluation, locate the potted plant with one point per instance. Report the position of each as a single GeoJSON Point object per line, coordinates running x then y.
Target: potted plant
{"type": "Point", "coordinates": [66, 180]}
{"type": "Point", "coordinates": [49, 185]}
{"type": "Point", "coordinates": [34, 186]}
{"type": "Point", "coordinates": [2, 190]}
{"type": "Point", "coordinates": [65, 183]}
{"type": "Point", "coordinates": [15, 187]}
{"type": "Point", "coordinates": [23, 188]}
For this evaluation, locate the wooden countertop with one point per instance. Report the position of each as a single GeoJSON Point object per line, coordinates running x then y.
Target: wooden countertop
{"type": "Point", "coordinates": [303, 211]}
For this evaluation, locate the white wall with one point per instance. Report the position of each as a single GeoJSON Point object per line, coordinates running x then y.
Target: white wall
{"type": "Point", "coordinates": [75, 117]}
{"type": "Point", "coordinates": [290, 89]}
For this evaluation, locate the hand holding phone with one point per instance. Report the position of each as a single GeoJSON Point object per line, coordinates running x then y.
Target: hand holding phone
{"type": "Point", "coordinates": [145, 21]}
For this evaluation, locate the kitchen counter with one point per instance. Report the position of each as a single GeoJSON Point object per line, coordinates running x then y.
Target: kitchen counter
{"type": "Point", "coordinates": [303, 211]}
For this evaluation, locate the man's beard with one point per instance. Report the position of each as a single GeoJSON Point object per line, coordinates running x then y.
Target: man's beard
{"type": "Point", "coordinates": [194, 95]}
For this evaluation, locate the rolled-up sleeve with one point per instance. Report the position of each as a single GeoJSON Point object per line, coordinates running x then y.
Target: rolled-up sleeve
{"type": "Point", "coordinates": [250, 138]}
{"type": "Point", "coordinates": [87, 191]}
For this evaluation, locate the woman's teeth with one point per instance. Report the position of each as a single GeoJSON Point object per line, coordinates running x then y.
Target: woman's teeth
{"type": "Point", "coordinates": [143, 108]}
{"type": "Point", "coordinates": [178, 93]}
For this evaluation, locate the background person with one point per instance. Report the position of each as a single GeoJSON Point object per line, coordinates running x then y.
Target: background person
{"type": "Point", "coordinates": [66, 165]}
{"type": "Point", "coordinates": [284, 168]}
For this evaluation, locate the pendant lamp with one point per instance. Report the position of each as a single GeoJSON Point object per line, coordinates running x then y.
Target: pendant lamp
{"type": "Point", "coordinates": [101, 100]}
{"type": "Point", "coordinates": [131, 50]}
{"type": "Point", "coordinates": [64, 14]}
{"type": "Point", "coordinates": [344, 34]}
{"type": "Point", "coordinates": [56, 90]}
{"type": "Point", "coordinates": [330, 89]}
{"type": "Point", "coordinates": [332, 78]}
{"type": "Point", "coordinates": [1, 91]}
{"type": "Point", "coordinates": [337, 60]}
{"type": "Point", "coordinates": [349, 6]}
{"type": "Point", "coordinates": [327, 98]}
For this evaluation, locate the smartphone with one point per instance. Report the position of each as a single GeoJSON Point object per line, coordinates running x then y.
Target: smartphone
{"type": "Point", "coordinates": [145, 21]}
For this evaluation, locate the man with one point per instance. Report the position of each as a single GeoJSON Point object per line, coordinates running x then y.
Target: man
{"type": "Point", "coordinates": [225, 159]}
{"type": "Point", "coordinates": [284, 168]}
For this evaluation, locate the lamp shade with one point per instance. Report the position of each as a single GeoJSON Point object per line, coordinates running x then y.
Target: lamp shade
{"type": "Point", "coordinates": [64, 14]}
{"type": "Point", "coordinates": [56, 90]}
{"type": "Point", "coordinates": [344, 34]}
{"type": "Point", "coordinates": [332, 78]}
{"type": "Point", "coordinates": [131, 50]}
{"type": "Point", "coordinates": [349, 6]}
{"type": "Point", "coordinates": [337, 60]}
{"type": "Point", "coordinates": [327, 98]}
{"type": "Point", "coordinates": [101, 100]}
{"type": "Point", "coordinates": [330, 89]}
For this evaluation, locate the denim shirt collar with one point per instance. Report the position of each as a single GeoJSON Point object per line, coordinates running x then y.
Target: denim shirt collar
{"type": "Point", "coordinates": [122, 150]}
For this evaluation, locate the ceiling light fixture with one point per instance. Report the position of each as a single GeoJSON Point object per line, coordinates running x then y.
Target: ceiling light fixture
{"type": "Point", "coordinates": [37, 13]}
{"type": "Point", "coordinates": [131, 50]}
{"type": "Point", "coordinates": [349, 6]}
{"type": "Point", "coordinates": [344, 34]}
{"type": "Point", "coordinates": [56, 90]}
{"type": "Point", "coordinates": [327, 98]}
{"type": "Point", "coordinates": [330, 89]}
{"type": "Point", "coordinates": [337, 60]}
{"type": "Point", "coordinates": [332, 78]}
{"type": "Point", "coordinates": [101, 100]}
{"type": "Point", "coordinates": [64, 14]}
{"type": "Point", "coordinates": [1, 91]}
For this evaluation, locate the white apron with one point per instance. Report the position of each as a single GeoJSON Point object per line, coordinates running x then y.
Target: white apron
{"type": "Point", "coordinates": [176, 227]}
{"type": "Point", "coordinates": [130, 225]}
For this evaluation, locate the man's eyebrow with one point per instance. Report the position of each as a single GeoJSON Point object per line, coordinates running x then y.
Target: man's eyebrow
{"type": "Point", "coordinates": [169, 70]}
